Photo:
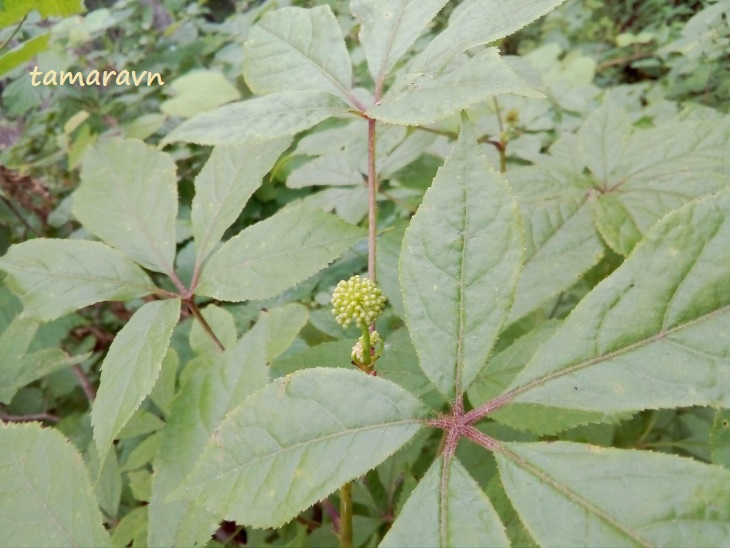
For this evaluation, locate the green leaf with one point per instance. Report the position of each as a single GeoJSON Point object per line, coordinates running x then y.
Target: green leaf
{"type": "Point", "coordinates": [389, 28]}
{"type": "Point", "coordinates": [224, 185]}
{"type": "Point", "coordinates": [275, 254]}
{"type": "Point", "coordinates": [447, 508]}
{"type": "Point", "coordinates": [296, 49]}
{"type": "Point", "coordinates": [480, 22]}
{"type": "Point", "coordinates": [199, 91]}
{"type": "Point", "coordinates": [17, 9]}
{"type": "Point", "coordinates": [571, 494]}
{"type": "Point", "coordinates": [45, 495]}
{"type": "Point", "coordinates": [460, 262]}
{"type": "Point", "coordinates": [215, 387]}
{"type": "Point", "coordinates": [258, 120]}
{"type": "Point", "coordinates": [720, 438]}
{"type": "Point", "coordinates": [131, 367]}
{"type": "Point", "coordinates": [128, 198]}
{"type": "Point", "coordinates": [270, 451]}
{"type": "Point", "coordinates": [603, 139]}
{"type": "Point", "coordinates": [425, 97]}
{"type": "Point", "coordinates": [55, 277]}
{"type": "Point", "coordinates": [15, 374]}
{"type": "Point", "coordinates": [281, 326]}
{"type": "Point", "coordinates": [627, 345]}
{"type": "Point", "coordinates": [22, 54]}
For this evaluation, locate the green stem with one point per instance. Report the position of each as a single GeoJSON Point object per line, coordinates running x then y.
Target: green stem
{"type": "Point", "coordinates": [346, 515]}
{"type": "Point", "coordinates": [15, 31]}
{"type": "Point", "coordinates": [366, 357]}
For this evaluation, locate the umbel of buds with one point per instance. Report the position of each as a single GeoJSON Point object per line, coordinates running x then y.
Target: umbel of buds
{"type": "Point", "coordinates": [357, 300]}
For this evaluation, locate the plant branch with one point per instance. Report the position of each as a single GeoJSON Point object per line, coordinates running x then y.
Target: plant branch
{"type": "Point", "coordinates": [15, 31]}
{"type": "Point", "coordinates": [22, 219]}
{"type": "Point", "coordinates": [204, 324]}
{"type": "Point", "coordinates": [47, 417]}
{"type": "Point", "coordinates": [85, 383]}
{"type": "Point", "coordinates": [623, 60]}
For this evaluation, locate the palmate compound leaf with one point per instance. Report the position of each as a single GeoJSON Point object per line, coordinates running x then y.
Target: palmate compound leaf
{"type": "Point", "coordinates": [218, 383]}
{"type": "Point", "coordinates": [131, 367]}
{"type": "Point", "coordinates": [388, 28]}
{"type": "Point", "coordinates": [460, 261]}
{"type": "Point", "coordinates": [224, 185]}
{"type": "Point", "coordinates": [258, 120]}
{"type": "Point", "coordinates": [128, 198]}
{"type": "Point", "coordinates": [425, 97]}
{"type": "Point", "coordinates": [275, 254]}
{"type": "Point", "coordinates": [447, 508]}
{"type": "Point", "coordinates": [297, 440]}
{"type": "Point", "coordinates": [570, 494]}
{"type": "Point", "coordinates": [297, 49]}
{"type": "Point", "coordinates": [652, 335]}
{"type": "Point", "coordinates": [55, 277]}
{"type": "Point", "coordinates": [45, 494]}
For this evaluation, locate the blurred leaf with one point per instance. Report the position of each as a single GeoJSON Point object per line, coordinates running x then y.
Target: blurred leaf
{"type": "Point", "coordinates": [45, 494]}
{"type": "Point", "coordinates": [199, 91]}
{"type": "Point", "coordinates": [14, 11]}
{"type": "Point", "coordinates": [22, 54]}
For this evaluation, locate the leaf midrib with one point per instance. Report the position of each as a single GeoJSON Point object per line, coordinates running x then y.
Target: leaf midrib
{"type": "Point", "coordinates": [572, 496]}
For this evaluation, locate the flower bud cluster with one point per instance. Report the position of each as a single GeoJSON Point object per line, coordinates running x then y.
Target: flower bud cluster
{"type": "Point", "coordinates": [357, 300]}
{"type": "Point", "coordinates": [357, 350]}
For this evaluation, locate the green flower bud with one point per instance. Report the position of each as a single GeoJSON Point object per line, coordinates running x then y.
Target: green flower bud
{"type": "Point", "coordinates": [357, 300]}
{"type": "Point", "coordinates": [357, 350]}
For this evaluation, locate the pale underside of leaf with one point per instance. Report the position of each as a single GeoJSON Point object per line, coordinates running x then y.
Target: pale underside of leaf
{"type": "Point", "coordinates": [128, 198]}
{"type": "Point", "coordinates": [260, 119]}
{"type": "Point", "coordinates": [276, 254]}
{"type": "Point", "coordinates": [654, 333]}
{"type": "Point", "coordinates": [447, 508]}
{"type": "Point", "coordinates": [55, 277]}
{"type": "Point", "coordinates": [264, 464]}
{"type": "Point", "coordinates": [460, 262]}
{"type": "Point", "coordinates": [615, 497]}
{"type": "Point", "coordinates": [131, 367]}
